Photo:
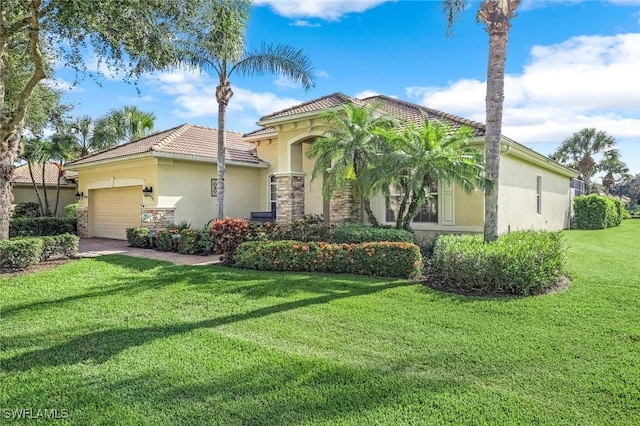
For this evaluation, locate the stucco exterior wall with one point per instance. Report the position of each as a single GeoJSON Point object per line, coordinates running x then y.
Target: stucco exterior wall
{"type": "Point", "coordinates": [26, 194]}
{"type": "Point", "coordinates": [132, 172]}
{"type": "Point", "coordinates": [517, 205]}
{"type": "Point", "coordinates": [267, 150]}
{"type": "Point", "coordinates": [314, 203]}
{"type": "Point", "coordinates": [186, 185]}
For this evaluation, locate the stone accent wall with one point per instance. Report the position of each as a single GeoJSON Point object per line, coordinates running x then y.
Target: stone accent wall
{"type": "Point", "coordinates": [83, 222]}
{"type": "Point", "coordinates": [161, 218]}
{"type": "Point", "coordinates": [344, 207]}
{"type": "Point", "coordinates": [290, 201]}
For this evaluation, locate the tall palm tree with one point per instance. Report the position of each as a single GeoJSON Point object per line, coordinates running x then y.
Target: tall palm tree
{"type": "Point", "coordinates": [580, 151]}
{"type": "Point", "coordinates": [496, 15]}
{"type": "Point", "coordinates": [221, 47]}
{"type": "Point", "coordinates": [615, 170]}
{"type": "Point", "coordinates": [81, 128]}
{"type": "Point", "coordinates": [422, 156]}
{"type": "Point", "coordinates": [32, 153]}
{"type": "Point", "coordinates": [351, 151]}
{"type": "Point", "coordinates": [122, 125]}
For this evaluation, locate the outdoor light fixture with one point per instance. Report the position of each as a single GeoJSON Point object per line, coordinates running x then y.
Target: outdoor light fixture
{"type": "Point", "coordinates": [147, 191]}
{"type": "Point", "coordinates": [79, 196]}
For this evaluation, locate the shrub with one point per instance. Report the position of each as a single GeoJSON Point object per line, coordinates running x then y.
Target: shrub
{"type": "Point", "coordinates": [520, 263]}
{"type": "Point", "coordinates": [229, 234]}
{"type": "Point", "coordinates": [27, 210]}
{"type": "Point", "coordinates": [41, 226]}
{"type": "Point", "coordinates": [265, 231]}
{"type": "Point", "coordinates": [390, 259]}
{"type": "Point", "coordinates": [188, 241]}
{"type": "Point", "coordinates": [71, 211]}
{"type": "Point", "coordinates": [205, 243]}
{"type": "Point", "coordinates": [20, 253]}
{"type": "Point", "coordinates": [164, 240]}
{"type": "Point", "coordinates": [355, 233]}
{"type": "Point", "coordinates": [65, 245]}
{"type": "Point", "coordinates": [596, 212]}
{"type": "Point", "coordinates": [138, 237]}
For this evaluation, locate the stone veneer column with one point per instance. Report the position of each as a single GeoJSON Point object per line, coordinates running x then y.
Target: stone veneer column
{"type": "Point", "coordinates": [290, 197]}
{"type": "Point", "coordinates": [162, 217]}
{"type": "Point", "coordinates": [343, 206]}
{"type": "Point", "coordinates": [83, 222]}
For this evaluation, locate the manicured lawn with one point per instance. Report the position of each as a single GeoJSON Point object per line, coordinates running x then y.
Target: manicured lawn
{"type": "Point", "coordinates": [120, 340]}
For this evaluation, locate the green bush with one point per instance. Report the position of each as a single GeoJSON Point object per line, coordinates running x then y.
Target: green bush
{"type": "Point", "coordinates": [20, 254]}
{"type": "Point", "coordinates": [390, 259]}
{"type": "Point", "coordinates": [71, 211]}
{"type": "Point", "coordinates": [165, 240]}
{"type": "Point", "coordinates": [228, 235]}
{"type": "Point", "coordinates": [41, 226]}
{"type": "Point", "coordinates": [27, 210]}
{"type": "Point", "coordinates": [355, 233]}
{"type": "Point", "coordinates": [65, 245]}
{"type": "Point", "coordinates": [188, 241]}
{"type": "Point", "coordinates": [596, 212]}
{"type": "Point", "coordinates": [520, 263]}
{"type": "Point", "coordinates": [138, 237]}
{"type": "Point", "coordinates": [205, 244]}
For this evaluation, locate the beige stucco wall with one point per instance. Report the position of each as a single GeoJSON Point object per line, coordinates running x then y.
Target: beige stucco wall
{"type": "Point", "coordinates": [26, 194]}
{"type": "Point", "coordinates": [132, 172]}
{"type": "Point", "coordinates": [186, 185]}
{"type": "Point", "coordinates": [313, 201]}
{"type": "Point", "coordinates": [267, 150]}
{"type": "Point", "coordinates": [517, 197]}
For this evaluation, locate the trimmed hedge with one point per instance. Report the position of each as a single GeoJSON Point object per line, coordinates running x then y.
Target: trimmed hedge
{"type": "Point", "coordinates": [519, 263]}
{"type": "Point", "coordinates": [355, 233]}
{"type": "Point", "coordinates": [23, 252]}
{"type": "Point", "coordinates": [41, 226]}
{"type": "Point", "coordinates": [389, 259]}
{"type": "Point", "coordinates": [29, 209]}
{"type": "Point", "coordinates": [138, 237]}
{"type": "Point", "coordinates": [597, 212]}
{"type": "Point", "coordinates": [20, 254]}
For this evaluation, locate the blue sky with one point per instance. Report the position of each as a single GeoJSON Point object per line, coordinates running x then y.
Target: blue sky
{"type": "Point", "coordinates": [570, 64]}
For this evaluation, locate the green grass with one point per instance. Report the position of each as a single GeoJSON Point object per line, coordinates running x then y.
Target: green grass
{"type": "Point", "coordinates": [120, 340]}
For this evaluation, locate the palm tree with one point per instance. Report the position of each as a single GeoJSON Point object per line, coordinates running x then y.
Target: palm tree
{"type": "Point", "coordinates": [615, 170]}
{"type": "Point", "coordinates": [121, 125]}
{"type": "Point", "coordinates": [580, 152]}
{"type": "Point", "coordinates": [81, 128]}
{"type": "Point", "coordinates": [352, 151]}
{"type": "Point", "coordinates": [422, 156]}
{"type": "Point", "coordinates": [33, 153]}
{"type": "Point", "coordinates": [221, 47]}
{"type": "Point", "coordinates": [496, 15]}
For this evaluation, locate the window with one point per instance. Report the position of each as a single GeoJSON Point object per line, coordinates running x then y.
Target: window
{"type": "Point", "coordinates": [428, 212]}
{"type": "Point", "coordinates": [539, 194]}
{"type": "Point", "coordinates": [214, 187]}
{"type": "Point", "coordinates": [273, 193]}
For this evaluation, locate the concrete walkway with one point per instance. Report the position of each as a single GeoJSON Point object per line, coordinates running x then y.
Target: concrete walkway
{"type": "Point", "coordinates": [92, 247]}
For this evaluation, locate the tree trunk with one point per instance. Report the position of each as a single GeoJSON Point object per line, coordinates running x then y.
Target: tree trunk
{"type": "Point", "coordinates": [44, 190]}
{"type": "Point", "coordinates": [223, 95]}
{"type": "Point", "coordinates": [35, 188]}
{"type": "Point", "coordinates": [7, 160]}
{"type": "Point", "coordinates": [60, 174]}
{"type": "Point", "coordinates": [370, 215]}
{"type": "Point", "coordinates": [496, 14]}
{"type": "Point", "coordinates": [403, 204]}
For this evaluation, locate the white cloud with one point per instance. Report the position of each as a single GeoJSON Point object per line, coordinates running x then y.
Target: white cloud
{"type": "Point", "coordinates": [586, 81]}
{"type": "Point", "coordinates": [286, 83]}
{"type": "Point", "coordinates": [366, 94]}
{"type": "Point", "coordinates": [330, 10]}
{"type": "Point", "coordinates": [194, 97]}
{"type": "Point", "coordinates": [305, 24]}
{"type": "Point", "coordinates": [322, 74]}
{"type": "Point", "coordinates": [64, 85]}
{"type": "Point", "coordinates": [537, 4]}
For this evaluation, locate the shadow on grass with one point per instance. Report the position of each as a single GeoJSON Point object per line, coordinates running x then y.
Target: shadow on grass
{"type": "Point", "coordinates": [102, 345]}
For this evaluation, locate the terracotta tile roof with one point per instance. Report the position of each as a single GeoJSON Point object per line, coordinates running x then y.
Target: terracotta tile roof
{"type": "Point", "coordinates": [51, 175]}
{"type": "Point", "coordinates": [325, 102]}
{"type": "Point", "coordinates": [185, 140]}
{"type": "Point", "coordinates": [396, 108]}
{"type": "Point", "coordinates": [260, 132]}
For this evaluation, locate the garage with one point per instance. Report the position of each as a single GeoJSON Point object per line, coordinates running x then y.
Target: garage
{"type": "Point", "coordinates": [114, 210]}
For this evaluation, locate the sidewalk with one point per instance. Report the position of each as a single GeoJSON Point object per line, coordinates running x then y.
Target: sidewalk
{"type": "Point", "coordinates": [92, 247]}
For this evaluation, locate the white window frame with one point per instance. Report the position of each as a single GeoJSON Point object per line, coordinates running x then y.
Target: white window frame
{"type": "Point", "coordinates": [539, 194]}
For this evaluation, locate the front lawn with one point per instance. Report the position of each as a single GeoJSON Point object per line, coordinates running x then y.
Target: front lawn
{"type": "Point", "coordinates": [121, 340]}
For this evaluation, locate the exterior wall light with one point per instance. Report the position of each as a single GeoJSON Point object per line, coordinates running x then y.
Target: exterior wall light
{"type": "Point", "coordinates": [146, 191]}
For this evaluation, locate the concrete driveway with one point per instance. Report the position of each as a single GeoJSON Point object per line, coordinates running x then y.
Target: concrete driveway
{"type": "Point", "coordinates": [92, 247]}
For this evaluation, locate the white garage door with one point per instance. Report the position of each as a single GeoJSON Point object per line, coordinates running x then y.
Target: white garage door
{"type": "Point", "coordinates": [115, 210]}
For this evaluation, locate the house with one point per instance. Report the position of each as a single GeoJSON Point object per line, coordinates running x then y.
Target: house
{"type": "Point", "coordinates": [534, 191]}
{"type": "Point", "coordinates": [165, 178]}
{"type": "Point", "coordinates": [268, 171]}
{"type": "Point", "coordinates": [24, 192]}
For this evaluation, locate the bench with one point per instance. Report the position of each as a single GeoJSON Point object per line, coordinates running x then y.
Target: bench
{"type": "Point", "coordinates": [262, 216]}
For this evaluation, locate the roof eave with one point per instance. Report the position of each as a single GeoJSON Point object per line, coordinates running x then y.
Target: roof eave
{"type": "Point", "coordinates": [80, 166]}
{"type": "Point", "coordinates": [260, 164]}
{"type": "Point", "coordinates": [295, 117]}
